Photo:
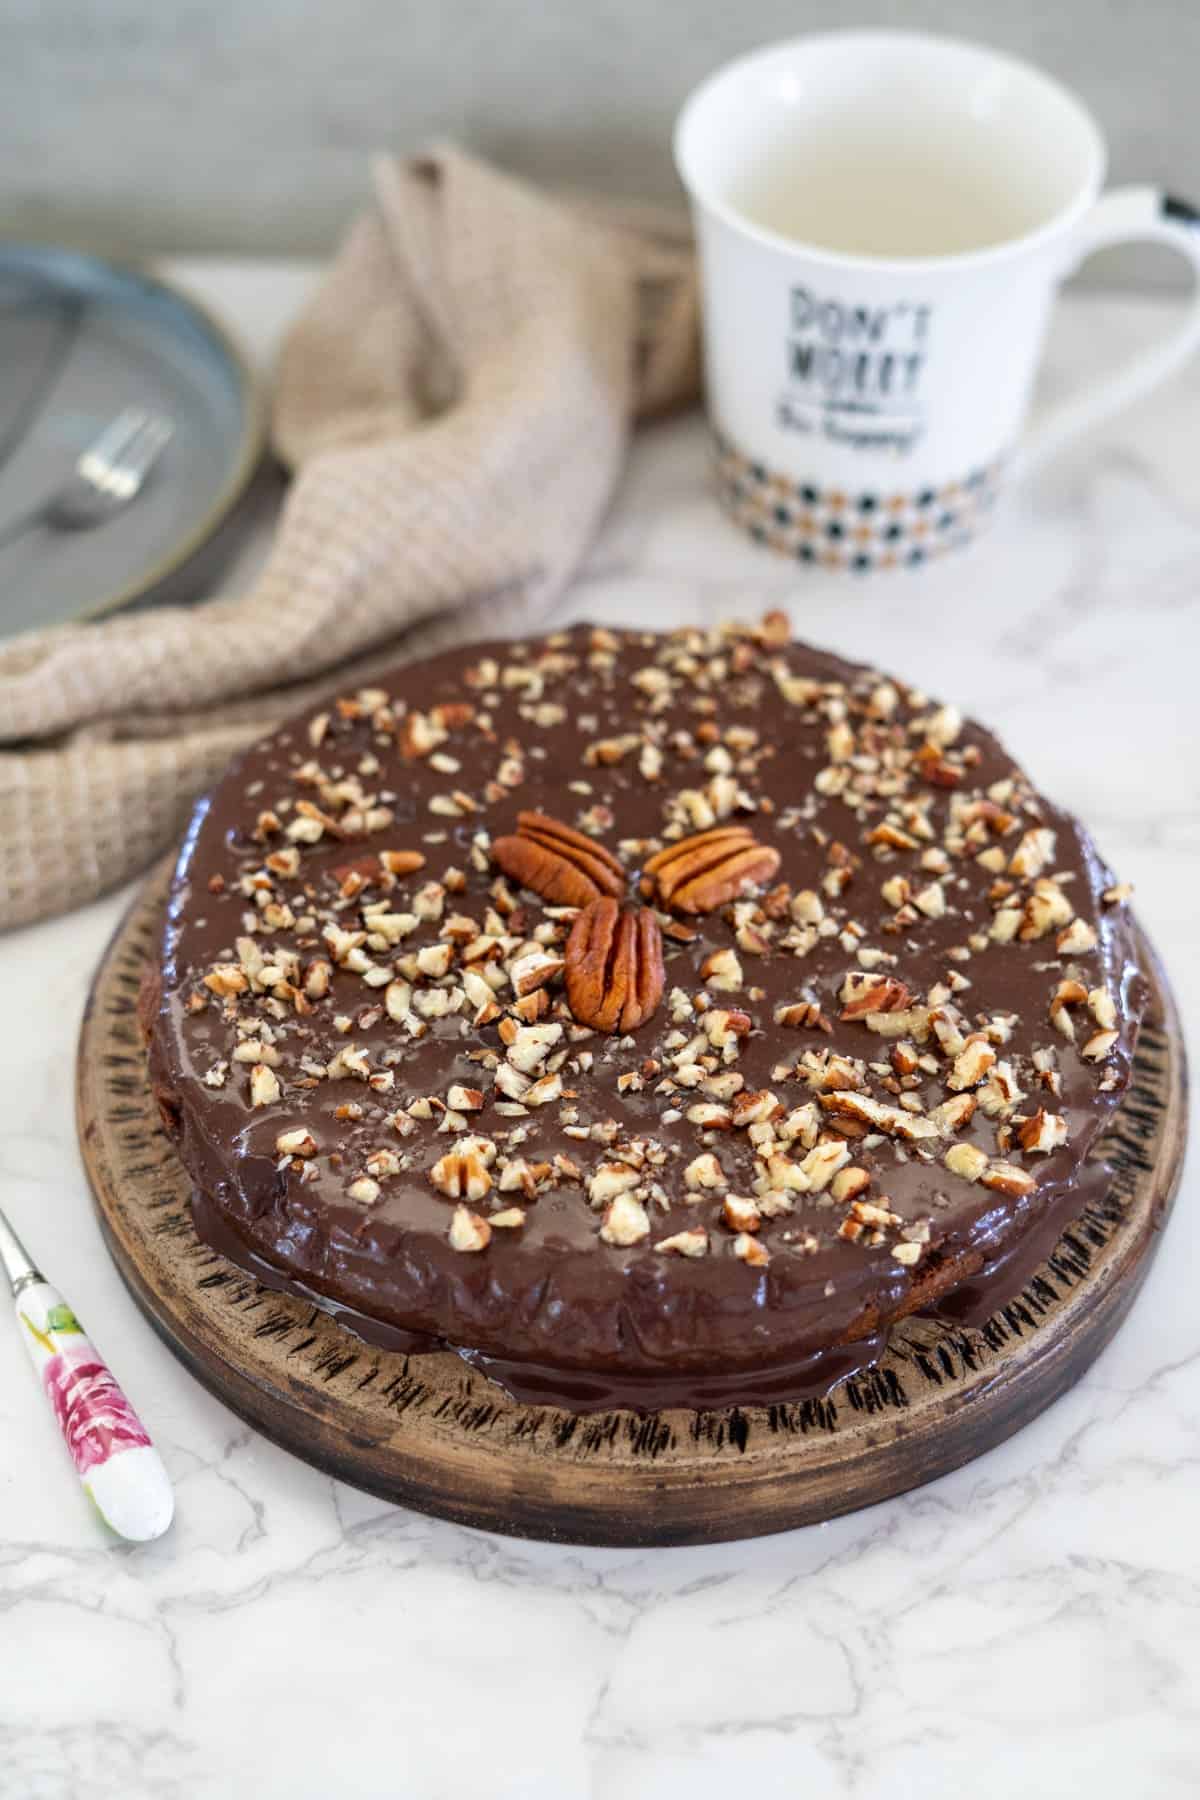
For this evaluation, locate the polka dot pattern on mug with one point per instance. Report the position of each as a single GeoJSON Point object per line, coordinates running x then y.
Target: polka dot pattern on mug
{"type": "Point", "coordinates": [880, 528]}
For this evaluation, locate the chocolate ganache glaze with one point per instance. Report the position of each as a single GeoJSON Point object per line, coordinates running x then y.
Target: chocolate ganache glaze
{"type": "Point", "coordinates": [651, 1019]}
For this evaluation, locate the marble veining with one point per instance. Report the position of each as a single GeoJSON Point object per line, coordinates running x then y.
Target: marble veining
{"type": "Point", "coordinates": [1028, 1625]}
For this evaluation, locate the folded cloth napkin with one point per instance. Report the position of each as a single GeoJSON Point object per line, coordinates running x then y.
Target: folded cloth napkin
{"type": "Point", "coordinates": [455, 404]}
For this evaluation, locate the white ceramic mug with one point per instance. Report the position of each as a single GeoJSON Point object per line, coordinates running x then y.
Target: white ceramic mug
{"type": "Point", "coordinates": [868, 397]}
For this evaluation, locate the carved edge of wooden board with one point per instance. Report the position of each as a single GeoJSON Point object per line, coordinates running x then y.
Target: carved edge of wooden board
{"type": "Point", "coordinates": [431, 1434]}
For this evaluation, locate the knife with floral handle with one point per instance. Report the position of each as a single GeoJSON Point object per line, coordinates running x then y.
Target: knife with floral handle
{"type": "Point", "coordinates": [118, 1465]}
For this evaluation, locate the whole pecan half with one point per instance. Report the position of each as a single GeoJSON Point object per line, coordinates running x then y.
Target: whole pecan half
{"type": "Point", "coordinates": [560, 864]}
{"type": "Point", "coordinates": [702, 872]}
{"type": "Point", "coordinates": [614, 966]}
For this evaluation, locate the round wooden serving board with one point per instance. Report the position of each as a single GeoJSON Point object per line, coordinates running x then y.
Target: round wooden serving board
{"type": "Point", "coordinates": [428, 1432]}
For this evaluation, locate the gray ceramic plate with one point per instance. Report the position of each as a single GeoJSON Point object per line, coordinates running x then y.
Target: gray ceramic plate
{"type": "Point", "coordinates": [81, 339]}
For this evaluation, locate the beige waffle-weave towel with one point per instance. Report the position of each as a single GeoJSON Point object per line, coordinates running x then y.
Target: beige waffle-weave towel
{"type": "Point", "coordinates": [455, 404]}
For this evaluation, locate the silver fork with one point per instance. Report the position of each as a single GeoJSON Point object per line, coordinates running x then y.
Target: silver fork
{"type": "Point", "coordinates": [109, 474]}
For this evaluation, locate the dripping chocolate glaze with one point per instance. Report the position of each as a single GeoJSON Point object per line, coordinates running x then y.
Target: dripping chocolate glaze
{"type": "Point", "coordinates": [550, 1310]}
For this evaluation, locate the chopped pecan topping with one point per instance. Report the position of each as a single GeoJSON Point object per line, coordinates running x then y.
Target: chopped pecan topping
{"type": "Point", "coordinates": [226, 979]}
{"type": "Point", "coordinates": [531, 972]}
{"type": "Point", "coordinates": [1067, 994]}
{"type": "Point", "coordinates": [971, 1064]}
{"type": "Point", "coordinates": [609, 1180]}
{"type": "Point", "coordinates": [967, 1160]}
{"type": "Point", "coordinates": [461, 1175]}
{"type": "Point", "coordinates": [1033, 852]}
{"type": "Point", "coordinates": [468, 1231]}
{"type": "Point", "coordinates": [625, 1222]}
{"type": "Point", "coordinates": [740, 1213]}
{"type": "Point", "coordinates": [509, 965]}
{"type": "Point", "coordinates": [703, 1171]}
{"type": "Point", "coordinates": [264, 1085]}
{"type": "Point", "coordinates": [558, 863]}
{"type": "Point", "coordinates": [402, 862]}
{"type": "Point", "coordinates": [861, 1109]}
{"type": "Point", "coordinates": [722, 970]}
{"type": "Point", "coordinates": [1046, 909]}
{"type": "Point", "coordinates": [935, 768]}
{"type": "Point", "coordinates": [1077, 939]}
{"type": "Point", "coordinates": [805, 1014]}
{"type": "Point", "coordinates": [1006, 1178]}
{"type": "Point", "coordinates": [723, 1026]}
{"type": "Point", "coordinates": [822, 1164]}
{"type": "Point", "coordinates": [296, 1143]}
{"type": "Point", "coordinates": [704, 871]}
{"type": "Point", "coordinates": [614, 966]}
{"type": "Point", "coordinates": [849, 1183]}
{"type": "Point", "coordinates": [685, 1243]}
{"type": "Point", "coordinates": [863, 994]}
{"type": "Point", "coordinates": [1103, 1008]}
{"type": "Point", "coordinates": [1042, 1133]}
{"type": "Point", "coordinates": [752, 1108]}
{"type": "Point", "coordinates": [954, 1113]}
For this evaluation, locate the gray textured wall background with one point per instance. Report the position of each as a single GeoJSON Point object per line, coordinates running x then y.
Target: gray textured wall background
{"type": "Point", "coordinates": [243, 124]}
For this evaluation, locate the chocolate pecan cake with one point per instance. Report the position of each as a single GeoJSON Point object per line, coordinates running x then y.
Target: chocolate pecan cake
{"type": "Point", "coordinates": [651, 1019]}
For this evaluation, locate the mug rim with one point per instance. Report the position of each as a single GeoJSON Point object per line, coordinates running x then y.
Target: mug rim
{"type": "Point", "coordinates": [779, 52]}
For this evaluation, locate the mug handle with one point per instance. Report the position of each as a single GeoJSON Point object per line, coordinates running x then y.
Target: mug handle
{"type": "Point", "coordinates": [1123, 215]}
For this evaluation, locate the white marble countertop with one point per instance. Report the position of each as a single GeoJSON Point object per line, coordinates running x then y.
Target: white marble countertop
{"type": "Point", "coordinates": [1029, 1625]}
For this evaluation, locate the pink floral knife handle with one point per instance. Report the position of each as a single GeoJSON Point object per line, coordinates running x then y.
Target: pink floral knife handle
{"type": "Point", "coordinates": [118, 1465]}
